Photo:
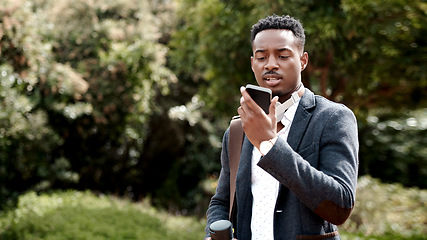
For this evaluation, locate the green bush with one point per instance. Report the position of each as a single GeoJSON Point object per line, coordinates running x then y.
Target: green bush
{"type": "Point", "coordinates": [393, 147]}
{"type": "Point", "coordinates": [82, 215]}
{"type": "Point", "coordinates": [383, 211]}
{"type": "Point", "coordinates": [83, 98]}
{"type": "Point", "coordinates": [388, 210]}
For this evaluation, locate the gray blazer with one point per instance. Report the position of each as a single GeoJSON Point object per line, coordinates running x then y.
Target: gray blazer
{"type": "Point", "coordinates": [317, 168]}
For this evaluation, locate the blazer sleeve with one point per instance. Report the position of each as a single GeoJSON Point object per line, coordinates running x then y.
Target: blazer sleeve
{"type": "Point", "coordinates": [219, 205]}
{"type": "Point", "coordinates": [323, 171]}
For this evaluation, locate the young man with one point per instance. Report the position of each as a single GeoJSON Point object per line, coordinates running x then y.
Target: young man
{"type": "Point", "coordinates": [298, 167]}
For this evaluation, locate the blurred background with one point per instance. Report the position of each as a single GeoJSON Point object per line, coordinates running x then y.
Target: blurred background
{"type": "Point", "coordinates": [130, 98]}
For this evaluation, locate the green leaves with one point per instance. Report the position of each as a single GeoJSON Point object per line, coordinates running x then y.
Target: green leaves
{"type": "Point", "coordinates": [388, 210]}
{"type": "Point", "coordinates": [82, 215]}
{"type": "Point", "coordinates": [80, 82]}
{"type": "Point", "coordinates": [369, 55]}
{"type": "Point", "coordinates": [351, 45]}
{"type": "Point", "coordinates": [92, 93]}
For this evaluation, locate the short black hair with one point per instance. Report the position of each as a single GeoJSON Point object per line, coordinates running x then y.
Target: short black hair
{"type": "Point", "coordinates": [280, 22]}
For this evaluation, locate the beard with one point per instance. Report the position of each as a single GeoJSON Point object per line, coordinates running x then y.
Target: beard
{"type": "Point", "coordinates": [284, 92]}
{"type": "Point", "coordinates": [277, 93]}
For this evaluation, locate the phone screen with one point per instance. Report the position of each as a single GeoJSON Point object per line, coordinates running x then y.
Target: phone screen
{"type": "Point", "coordinates": [262, 96]}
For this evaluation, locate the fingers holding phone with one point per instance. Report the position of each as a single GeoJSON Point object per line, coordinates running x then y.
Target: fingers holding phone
{"type": "Point", "coordinates": [259, 98]}
{"type": "Point", "coordinates": [257, 111]}
{"type": "Point", "coordinates": [255, 99]}
{"type": "Point", "coordinates": [262, 96]}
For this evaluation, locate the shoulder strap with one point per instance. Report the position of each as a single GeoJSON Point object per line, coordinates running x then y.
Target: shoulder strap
{"type": "Point", "coordinates": [235, 141]}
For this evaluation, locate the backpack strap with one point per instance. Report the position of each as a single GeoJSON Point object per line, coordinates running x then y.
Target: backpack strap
{"type": "Point", "coordinates": [235, 141]}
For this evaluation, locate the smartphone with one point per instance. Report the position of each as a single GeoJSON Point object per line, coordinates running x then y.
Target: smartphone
{"type": "Point", "coordinates": [261, 95]}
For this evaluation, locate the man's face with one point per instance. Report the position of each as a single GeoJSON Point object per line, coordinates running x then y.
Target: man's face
{"type": "Point", "coordinates": [277, 62]}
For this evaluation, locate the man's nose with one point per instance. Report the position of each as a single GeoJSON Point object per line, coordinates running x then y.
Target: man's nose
{"type": "Point", "coordinates": [271, 64]}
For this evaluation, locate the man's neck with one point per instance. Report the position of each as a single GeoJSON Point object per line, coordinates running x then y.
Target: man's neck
{"type": "Point", "coordinates": [300, 89]}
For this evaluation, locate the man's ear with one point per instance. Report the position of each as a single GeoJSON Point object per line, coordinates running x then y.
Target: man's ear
{"type": "Point", "coordinates": [304, 61]}
{"type": "Point", "coordinates": [252, 63]}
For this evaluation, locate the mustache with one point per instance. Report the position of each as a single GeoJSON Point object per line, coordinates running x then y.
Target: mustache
{"type": "Point", "coordinates": [271, 72]}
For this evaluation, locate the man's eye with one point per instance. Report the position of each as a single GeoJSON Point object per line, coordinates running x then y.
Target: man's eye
{"type": "Point", "coordinates": [261, 58]}
{"type": "Point", "coordinates": [283, 57]}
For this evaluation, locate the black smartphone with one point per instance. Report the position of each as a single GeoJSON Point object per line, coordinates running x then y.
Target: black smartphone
{"type": "Point", "coordinates": [261, 95]}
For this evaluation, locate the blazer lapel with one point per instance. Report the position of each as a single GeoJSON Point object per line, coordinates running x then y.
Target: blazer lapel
{"type": "Point", "coordinates": [301, 119]}
{"type": "Point", "coordinates": [298, 129]}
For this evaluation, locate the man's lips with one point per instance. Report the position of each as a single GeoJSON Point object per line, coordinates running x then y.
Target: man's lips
{"type": "Point", "coordinates": [272, 79]}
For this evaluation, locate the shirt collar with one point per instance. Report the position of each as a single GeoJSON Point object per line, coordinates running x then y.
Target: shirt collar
{"type": "Point", "coordinates": [290, 114]}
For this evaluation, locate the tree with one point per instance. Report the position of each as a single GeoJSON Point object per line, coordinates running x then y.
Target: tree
{"type": "Point", "coordinates": [88, 98]}
{"type": "Point", "coordinates": [368, 55]}
{"type": "Point", "coordinates": [83, 86]}
{"type": "Point", "coordinates": [361, 52]}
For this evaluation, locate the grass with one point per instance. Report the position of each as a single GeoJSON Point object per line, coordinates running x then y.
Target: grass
{"type": "Point", "coordinates": [383, 212]}
{"type": "Point", "coordinates": [82, 215]}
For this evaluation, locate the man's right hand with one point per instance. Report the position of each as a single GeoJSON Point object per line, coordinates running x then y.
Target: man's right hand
{"type": "Point", "coordinates": [257, 125]}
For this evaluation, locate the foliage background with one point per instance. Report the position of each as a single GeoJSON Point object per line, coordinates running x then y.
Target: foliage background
{"type": "Point", "coordinates": [83, 215]}
{"type": "Point", "coordinates": [131, 97]}
{"type": "Point", "coordinates": [369, 55]}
